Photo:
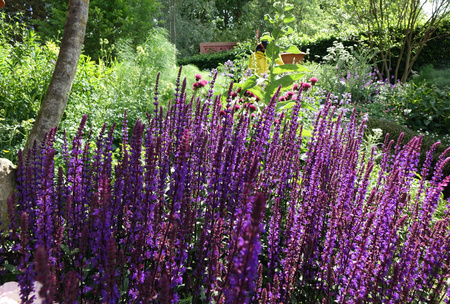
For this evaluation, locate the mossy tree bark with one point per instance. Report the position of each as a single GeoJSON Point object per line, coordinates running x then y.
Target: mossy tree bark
{"type": "Point", "coordinates": [55, 100]}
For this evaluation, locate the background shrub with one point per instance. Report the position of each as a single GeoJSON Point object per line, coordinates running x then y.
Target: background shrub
{"type": "Point", "coordinates": [426, 107]}
{"type": "Point", "coordinates": [25, 70]}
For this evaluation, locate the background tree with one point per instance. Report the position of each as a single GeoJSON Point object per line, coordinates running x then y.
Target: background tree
{"type": "Point", "coordinates": [55, 100]}
{"type": "Point", "coordinates": [139, 18]}
{"type": "Point", "coordinates": [30, 11]}
{"type": "Point", "coordinates": [230, 12]}
{"type": "Point", "coordinates": [398, 30]}
{"type": "Point", "coordinates": [188, 23]}
{"type": "Point", "coordinates": [108, 19]}
{"type": "Point", "coordinates": [251, 19]}
{"type": "Point", "coordinates": [317, 17]}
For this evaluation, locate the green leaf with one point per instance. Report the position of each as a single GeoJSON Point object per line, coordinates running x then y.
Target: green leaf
{"type": "Point", "coordinates": [289, 19]}
{"type": "Point", "coordinates": [249, 83]}
{"type": "Point", "coordinates": [272, 52]}
{"type": "Point", "coordinates": [187, 300]}
{"type": "Point", "coordinates": [257, 92]}
{"type": "Point", "coordinates": [65, 248]}
{"type": "Point", "coordinates": [267, 37]}
{"type": "Point", "coordinates": [11, 268]}
{"type": "Point", "coordinates": [288, 7]}
{"type": "Point", "coordinates": [284, 81]}
{"type": "Point", "coordinates": [287, 30]}
{"type": "Point", "coordinates": [268, 18]}
{"type": "Point", "coordinates": [307, 106]}
{"type": "Point", "coordinates": [276, 33]}
{"type": "Point", "coordinates": [288, 106]}
{"type": "Point", "coordinates": [292, 68]}
{"type": "Point", "coordinates": [306, 133]}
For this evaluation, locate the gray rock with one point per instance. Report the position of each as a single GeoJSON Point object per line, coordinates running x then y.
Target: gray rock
{"type": "Point", "coordinates": [7, 186]}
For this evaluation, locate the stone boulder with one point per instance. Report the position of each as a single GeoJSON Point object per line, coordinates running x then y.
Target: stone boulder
{"type": "Point", "coordinates": [7, 186]}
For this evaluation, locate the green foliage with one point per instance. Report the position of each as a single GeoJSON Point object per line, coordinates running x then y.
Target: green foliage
{"type": "Point", "coordinates": [128, 84]}
{"type": "Point", "coordinates": [29, 12]}
{"type": "Point", "coordinates": [426, 107]}
{"type": "Point", "coordinates": [347, 73]}
{"type": "Point", "coordinates": [438, 77]}
{"type": "Point", "coordinates": [140, 18]}
{"type": "Point", "coordinates": [108, 19]}
{"type": "Point", "coordinates": [102, 90]}
{"type": "Point", "coordinates": [436, 51]}
{"type": "Point", "coordinates": [208, 61]}
{"type": "Point", "coordinates": [251, 21]}
{"type": "Point", "coordinates": [25, 71]}
{"type": "Point", "coordinates": [383, 104]}
{"type": "Point", "coordinates": [397, 29]}
{"type": "Point", "coordinates": [188, 23]}
{"type": "Point", "coordinates": [229, 13]}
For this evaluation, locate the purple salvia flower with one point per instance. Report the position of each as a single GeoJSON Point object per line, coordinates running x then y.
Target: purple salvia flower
{"type": "Point", "coordinates": [26, 277]}
{"type": "Point", "coordinates": [245, 264]}
{"type": "Point", "coordinates": [75, 187]}
{"type": "Point", "coordinates": [437, 176]}
{"type": "Point", "coordinates": [71, 287]}
{"type": "Point", "coordinates": [44, 275]}
{"type": "Point", "coordinates": [110, 293]}
{"type": "Point", "coordinates": [425, 169]}
{"type": "Point", "coordinates": [156, 102]}
{"type": "Point", "coordinates": [164, 285]}
{"type": "Point", "coordinates": [45, 227]}
{"type": "Point", "coordinates": [273, 238]}
{"type": "Point", "coordinates": [177, 85]}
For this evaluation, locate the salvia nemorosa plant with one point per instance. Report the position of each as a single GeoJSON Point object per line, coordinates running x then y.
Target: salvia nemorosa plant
{"type": "Point", "coordinates": [209, 207]}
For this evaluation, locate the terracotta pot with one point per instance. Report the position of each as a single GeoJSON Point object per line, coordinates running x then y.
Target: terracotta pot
{"type": "Point", "coordinates": [2, 3]}
{"type": "Point", "coordinates": [289, 58]}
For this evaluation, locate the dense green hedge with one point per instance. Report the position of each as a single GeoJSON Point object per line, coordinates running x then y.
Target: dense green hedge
{"type": "Point", "coordinates": [208, 61]}
{"type": "Point", "coordinates": [437, 51]}
{"type": "Point", "coordinates": [213, 60]}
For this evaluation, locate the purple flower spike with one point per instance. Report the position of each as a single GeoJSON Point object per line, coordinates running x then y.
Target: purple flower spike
{"type": "Point", "coordinates": [245, 264]}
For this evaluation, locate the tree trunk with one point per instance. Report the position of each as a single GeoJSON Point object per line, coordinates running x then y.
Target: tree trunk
{"type": "Point", "coordinates": [55, 100]}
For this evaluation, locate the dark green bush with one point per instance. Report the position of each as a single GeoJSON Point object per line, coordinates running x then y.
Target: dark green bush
{"type": "Point", "coordinates": [208, 61]}
{"type": "Point", "coordinates": [437, 76]}
{"type": "Point", "coordinates": [436, 51]}
{"type": "Point", "coordinates": [426, 107]}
